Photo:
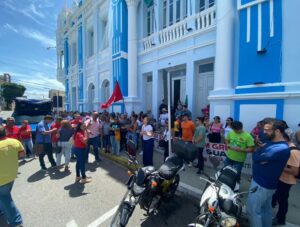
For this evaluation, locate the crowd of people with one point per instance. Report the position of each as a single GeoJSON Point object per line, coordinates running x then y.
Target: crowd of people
{"type": "Point", "coordinates": [71, 134]}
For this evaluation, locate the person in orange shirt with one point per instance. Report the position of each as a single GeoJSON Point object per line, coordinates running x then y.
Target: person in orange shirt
{"type": "Point", "coordinates": [188, 128]}
{"type": "Point", "coordinates": [286, 181]}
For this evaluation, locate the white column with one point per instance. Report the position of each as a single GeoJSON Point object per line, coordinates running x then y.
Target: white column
{"type": "Point", "coordinates": [96, 50]}
{"type": "Point", "coordinates": [132, 47]}
{"type": "Point", "coordinates": [224, 45]}
{"type": "Point", "coordinates": [190, 84]}
{"type": "Point", "coordinates": [155, 93]}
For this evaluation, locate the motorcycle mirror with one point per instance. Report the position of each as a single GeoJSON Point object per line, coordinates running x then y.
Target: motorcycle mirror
{"type": "Point", "coordinates": [253, 189]}
{"type": "Point", "coordinates": [214, 161]}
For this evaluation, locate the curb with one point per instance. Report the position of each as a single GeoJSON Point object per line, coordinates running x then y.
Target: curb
{"type": "Point", "coordinates": [183, 187]}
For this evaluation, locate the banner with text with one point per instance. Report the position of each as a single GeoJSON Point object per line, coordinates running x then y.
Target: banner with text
{"type": "Point", "coordinates": [215, 153]}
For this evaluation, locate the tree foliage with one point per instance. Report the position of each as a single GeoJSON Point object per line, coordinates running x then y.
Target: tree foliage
{"type": "Point", "coordinates": [12, 90]}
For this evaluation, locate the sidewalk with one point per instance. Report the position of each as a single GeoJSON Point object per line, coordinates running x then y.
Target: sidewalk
{"type": "Point", "coordinates": [191, 184]}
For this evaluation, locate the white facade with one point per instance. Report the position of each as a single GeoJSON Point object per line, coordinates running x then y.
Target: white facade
{"type": "Point", "coordinates": [204, 45]}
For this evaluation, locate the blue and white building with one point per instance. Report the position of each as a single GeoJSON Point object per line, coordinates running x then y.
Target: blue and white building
{"type": "Point", "coordinates": [239, 56]}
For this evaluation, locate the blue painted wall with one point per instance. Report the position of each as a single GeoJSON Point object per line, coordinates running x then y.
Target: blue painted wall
{"type": "Point", "coordinates": [80, 63]}
{"type": "Point", "coordinates": [80, 87]}
{"type": "Point", "coordinates": [254, 67]}
{"type": "Point", "coordinates": [278, 102]}
{"type": "Point", "coordinates": [66, 56]}
{"type": "Point", "coordinates": [67, 94]}
{"type": "Point", "coordinates": [120, 44]}
{"type": "Point", "coordinates": [80, 49]}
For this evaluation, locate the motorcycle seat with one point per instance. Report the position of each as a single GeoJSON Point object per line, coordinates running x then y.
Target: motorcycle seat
{"type": "Point", "coordinates": [229, 176]}
{"type": "Point", "coordinates": [170, 168]}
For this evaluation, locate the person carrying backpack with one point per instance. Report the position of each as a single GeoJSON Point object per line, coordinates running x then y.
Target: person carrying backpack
{"type": "Point", "coordinates": [286, 181]}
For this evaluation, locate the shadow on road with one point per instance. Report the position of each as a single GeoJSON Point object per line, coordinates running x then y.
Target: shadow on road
{"type": "Point", "coordinates": [75, 190]}
{"type": "Point", "coordinates": [39, 175]}
{"type": "Point", "coordinates": [55, 174]}
{"type": "Point", "coordinates": [168, 212]}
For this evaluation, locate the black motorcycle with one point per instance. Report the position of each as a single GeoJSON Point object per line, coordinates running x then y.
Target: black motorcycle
{"type": "Point", "coordinates": [149, 187]}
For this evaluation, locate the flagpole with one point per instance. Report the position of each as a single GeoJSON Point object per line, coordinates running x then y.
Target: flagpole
{"type": "Point", "coordinates": [169, 110]}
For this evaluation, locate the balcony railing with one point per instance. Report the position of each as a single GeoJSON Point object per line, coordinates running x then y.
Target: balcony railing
{"type": "Point", "coordinates": [196, 23]}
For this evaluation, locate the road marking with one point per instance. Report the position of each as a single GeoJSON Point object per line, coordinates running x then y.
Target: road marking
{"type": "Point", "coordinates": [185, 188]}
{"type": "Point", "coordinates": [72, 224]}
{"type": "Point", "coordinates": [104, 217]}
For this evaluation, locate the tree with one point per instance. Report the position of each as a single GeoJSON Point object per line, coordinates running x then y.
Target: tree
{"type": "Point", "coordinates": [10, 91]}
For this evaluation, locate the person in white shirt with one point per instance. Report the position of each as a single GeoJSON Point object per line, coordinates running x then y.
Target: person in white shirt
{"type": "Point", "coordinates": [148, 142]}
{"type": "Point", "coordinates": [94, 129]}
{"type": "Point", "coordinates": [163, 117]}
{"type": "Point", "coordinates": [166, 137]}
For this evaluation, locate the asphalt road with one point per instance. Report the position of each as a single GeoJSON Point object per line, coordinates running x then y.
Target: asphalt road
{"type": "Point", "coordinates": [52, 199]}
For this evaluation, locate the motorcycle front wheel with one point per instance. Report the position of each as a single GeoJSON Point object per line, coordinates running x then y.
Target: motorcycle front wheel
{"type": "Point", "coordinates": [123, 215]}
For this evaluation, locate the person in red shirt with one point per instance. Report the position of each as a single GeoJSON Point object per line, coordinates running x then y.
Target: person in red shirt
{"type": "Point", "coordinates": [54, 138]}
{"type": "Point", "coordinates": [11, 129]}
{"type": "Point", "coordinates": [79, 147]}
{"type": "Point", "coordinates": [77, 119]}
{"type": "Point", "coordinates": [25, 136]}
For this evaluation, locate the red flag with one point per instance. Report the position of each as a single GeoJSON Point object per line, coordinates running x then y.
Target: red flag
{"type": "Point", "coordinates": [115, 97]}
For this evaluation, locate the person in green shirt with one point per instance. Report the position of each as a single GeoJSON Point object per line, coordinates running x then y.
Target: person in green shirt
{"type": "Point", "coordinates": [10, 151]}
{"type": "Point", "coordinates": [239, 143]}
{"type": "Point", "coordinates": [199, 141]}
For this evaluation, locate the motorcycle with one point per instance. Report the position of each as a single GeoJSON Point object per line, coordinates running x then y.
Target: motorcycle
{"type": "Point", "coordinates": [148, 188]}
{"type": "Point", "coordinates": [220, 203]}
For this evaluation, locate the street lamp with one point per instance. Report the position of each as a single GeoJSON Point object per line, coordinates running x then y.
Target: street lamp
{"type": "Point", "coordinates": [51, 47]}
{"type": "Point", "coordinates": [169, 106]}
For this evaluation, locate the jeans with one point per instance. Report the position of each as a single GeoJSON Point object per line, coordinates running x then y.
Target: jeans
{"type": "Point", "coordinates": [200, 164]}
{"type": "Point", "coordinates": [148, 152]}
{"type": "Point", "coordinates": [80, 161]}
{"type": "Point", "coordinates": [28, 145]}
{"type": "Point", "coordinates": [259, 206]}
{"type": "Point", "coordinates": [8, 206]}
{"type": "Point", "coordinates": [66, 151]}
{"type": "Point", "coordinates": [95, 142]}
{"type": "Point", "coordinates": [237, 165]}
{"type": "Point", "coordinates": [282, 197]}
{"type": "Point", "coordinates": [47, 151]}
{"type": "Point", "coordinates": [115, 145]}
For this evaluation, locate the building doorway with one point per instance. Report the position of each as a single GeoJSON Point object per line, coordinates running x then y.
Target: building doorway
{"type": "Point", "coordinates": [179, 90]}
{"type": "Point", "coordinates": [204, 84]}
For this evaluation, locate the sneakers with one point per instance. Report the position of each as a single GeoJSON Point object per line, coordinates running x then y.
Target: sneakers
{"type": "Point", "coordinates": [77, 179]}
{"type": "Point", "coordinates": [86, 180]}
{"type": "Point", "coordinates": [44, 169]}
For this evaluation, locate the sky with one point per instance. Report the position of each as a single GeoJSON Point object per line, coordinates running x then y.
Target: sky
{"type": "Point", "coordinates": [28, 27]}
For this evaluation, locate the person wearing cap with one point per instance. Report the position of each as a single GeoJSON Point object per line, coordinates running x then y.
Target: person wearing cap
{"type": "Point", "coordinates": [163, 117]}
{"type": "Point", "coordinates": [43, 136]}
{"type": "Point", "coordinates": [11, 129]}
